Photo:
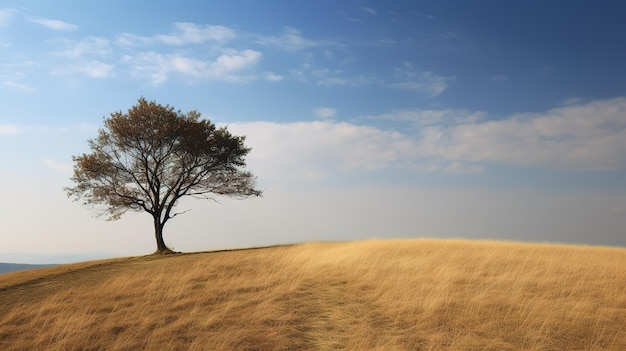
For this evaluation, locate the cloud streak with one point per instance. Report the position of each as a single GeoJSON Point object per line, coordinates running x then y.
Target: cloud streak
{"type": "Point", "coordinates": [185, 33]}
{"type": "Point", "coordinates": [325, 112]}
{"type": "Point", "coordinates": [89, 46]}
{"type": "Point", "coordinates": [95, 69]}
{"type": "Point", "coordinates": [422, 82]}
{"type": "Point", "coordinates": [18, 86]}
{"type": "Point", "coordinates": [158, 67]}
{"type": "Point", "coordinates": [53, 24]}
{"type": "Point", "coordinates": [190, 33]}
{"type": "Point", "coordinates": [290, 40]}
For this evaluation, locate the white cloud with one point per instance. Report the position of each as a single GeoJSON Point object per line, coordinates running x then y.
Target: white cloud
{"type": "Point", "coordinates": [9, 129]}
{"type": "Point", "coordinates": [226, 67]}
{"type": "Point", "coordinates": [369, 10]}
{"type": "Point", "coordinates": [579, 138]}
{"type": "Point", "coordinates": [95, 69]}
{"type": "Point", "coordinates": [53, 24]}
{"type": "Point", "coordinates": [18, 86]}
{"type": "Point", "coordinates": [314, 150]}
{"type": "Point", "coordinates": [582, 137]}
{"type": "Point", "coordinates": [273, 77]}
{"type": "Point", "coordinates": [190, 33]}
{"type": "Point", "coordinates": [298, 75]}
{"type": "Point", "coordinates": [129, 39]}
{"type": "Point", "coordinates": [424, 82]}
{"type": "Point", "coordinates": [324, 112]}
{"type": "Point", "coordinates": [330, 81]}
{"type": "Point", "coordinates": [289, 40]}
{"type": "Point", "coordinates": [235, 61]}
{"type": "Point", "coordinates": [185, 33]}
{"type": "Point", "coordinates": [589, 136]}
{"type": "Point", "coordinates": [151, 65]}
{"type": "Point", "coordinates": [97, 46]}
{"type": "Point", "coordinates": [15, 71]}
{"type": "Point", "coordinates": [327, 77]}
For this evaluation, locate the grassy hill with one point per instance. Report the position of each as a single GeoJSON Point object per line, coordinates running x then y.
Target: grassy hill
{"type": "Point", "coordinates": [371, 295]}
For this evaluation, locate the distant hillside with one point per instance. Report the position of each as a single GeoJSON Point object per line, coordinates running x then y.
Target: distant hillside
{"type": "Point", "coordinates": [371, 295]}
{"type": "Point", "coordinates": [12, 267]}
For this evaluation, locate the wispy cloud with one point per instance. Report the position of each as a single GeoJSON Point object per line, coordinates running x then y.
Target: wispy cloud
{"type": "Point", "coordinates": [158, 67]}
{"type": "Point", "coordinates": [185, 33]}
{"type": "Point", "coordinates": [327, 77]}
{"type": "Point", "coordinates": [325, 112]}
{"type": "Point", "coordinates": [95, 69]}
{"type": "Point", "coordinates": [330, 81]}
{"type": "Point", "coordinates": [53, 24]}
{"type": "Point", "coordinates": [190, 33]}
{"type": "Point", "coordinates": [290, 40]}
{"type": "Point", "coordinates": [425, 82]}
{"type": "Point", "coordinates": [18, 86]}
{"type": "Point", "coordinates": [130, 40]}
{"type": "Point", "coordinates": [273, 77]}
{"type": "Point", "coordinates": [369, 10]}
{"type": "Point", "coordinates": [182, 52]}
{"type": "Point", "coordinates": [97, 46]}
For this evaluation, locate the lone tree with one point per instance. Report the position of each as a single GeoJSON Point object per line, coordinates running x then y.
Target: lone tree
{"type": "Point", "coordinates": [151, 157]}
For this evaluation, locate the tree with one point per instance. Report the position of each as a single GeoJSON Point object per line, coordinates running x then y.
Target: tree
{"type": "Point", "coordinates": [151, 157]}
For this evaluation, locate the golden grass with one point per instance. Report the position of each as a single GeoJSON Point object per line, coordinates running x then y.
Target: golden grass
{"type": "Point", "coordinates": [371, 295]}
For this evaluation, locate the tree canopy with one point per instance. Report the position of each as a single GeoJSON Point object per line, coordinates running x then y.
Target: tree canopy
{"type": "Point", "coordinates": [152, 156]}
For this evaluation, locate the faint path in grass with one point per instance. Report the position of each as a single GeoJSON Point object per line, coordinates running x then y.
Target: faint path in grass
{"type": "Point", "coordinates": [22, 288]}
{"type": "Point", "coordinates": [331, 311]}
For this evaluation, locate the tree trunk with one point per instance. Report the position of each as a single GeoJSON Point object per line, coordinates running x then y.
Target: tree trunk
{"type": "Point", "coordinates": [162, 249]}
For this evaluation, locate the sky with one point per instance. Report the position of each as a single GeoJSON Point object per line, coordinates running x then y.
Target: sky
{"type": "Point", "coordinates": [497, 120]}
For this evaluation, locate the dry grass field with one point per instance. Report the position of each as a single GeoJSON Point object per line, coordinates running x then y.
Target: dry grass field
{"type": "Point", "coordinates": [370, 295]}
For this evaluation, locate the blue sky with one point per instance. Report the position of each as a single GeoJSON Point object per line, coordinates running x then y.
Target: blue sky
{"type": "Point", "coordinates": [481, 120]}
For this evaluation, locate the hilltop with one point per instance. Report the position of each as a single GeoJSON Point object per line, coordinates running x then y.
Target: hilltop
{"type": "Point", "coordinates": [371, 295]}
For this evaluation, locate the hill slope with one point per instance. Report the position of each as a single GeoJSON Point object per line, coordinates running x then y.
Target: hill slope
{"type": "Point", "coordinates": [372, 295]}
{"type": "Point", "coordinates": [14, 267]}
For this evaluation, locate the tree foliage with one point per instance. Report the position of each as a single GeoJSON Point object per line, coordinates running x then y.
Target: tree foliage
{"type": "Point", "coordinates": [152, 156]}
